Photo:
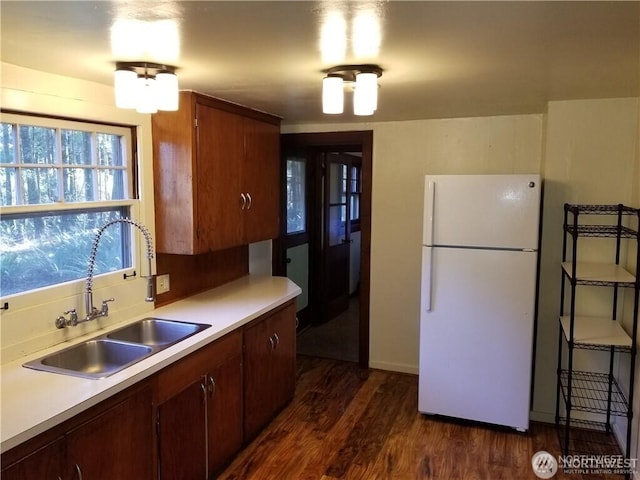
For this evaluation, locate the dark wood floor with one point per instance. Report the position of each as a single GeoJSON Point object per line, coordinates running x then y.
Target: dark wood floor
{"type": "Point", "coordinates": [348, 423]}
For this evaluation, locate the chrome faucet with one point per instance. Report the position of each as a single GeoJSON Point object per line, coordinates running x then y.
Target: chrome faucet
{"type": "Point", "coordinates": [91, 311]}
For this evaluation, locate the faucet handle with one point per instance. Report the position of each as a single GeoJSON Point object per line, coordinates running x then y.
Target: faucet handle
{"type": "Point", "coordinates": [62, 322]}
{"type": "Point", "coordinates": [73, 319]}
{"type": "Point", "coordinates": [105, 308]}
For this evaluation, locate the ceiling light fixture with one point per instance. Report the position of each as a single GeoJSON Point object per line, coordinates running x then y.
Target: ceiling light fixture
{"type": "Point", "coordinates": [145, 86]}
{"type": "Point", "coordinates": [364, 79]}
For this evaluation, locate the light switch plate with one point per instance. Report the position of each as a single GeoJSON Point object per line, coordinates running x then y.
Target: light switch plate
{"type": "Point", "coordinates": [162, 283]}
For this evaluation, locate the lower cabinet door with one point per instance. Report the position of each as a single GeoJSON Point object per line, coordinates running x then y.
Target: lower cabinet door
{"type": "Point", "coordinates": [224, 413]}
{"type": "Point", "coordinates": [269, 368]}
{"type": "Point", "coordinates": [47, 462]}
{"type": "Point", "coordinates": [116, 444]}
{"type": "Point", "coordinates": [182, 434]}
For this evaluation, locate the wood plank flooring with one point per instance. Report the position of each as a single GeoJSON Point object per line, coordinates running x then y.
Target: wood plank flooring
{"type": "Point", "coordinates": [348, 423]}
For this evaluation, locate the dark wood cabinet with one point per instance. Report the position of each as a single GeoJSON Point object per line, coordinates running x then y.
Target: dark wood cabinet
{"type": "Point", "coordinates": [46, 463]}
{"type": "Point", "coordinates": [261, 179]}
{"type": "Point", "coordinates": [115, 444]}
{"type": "Point", "coordinates": [112, 440]}
{"type": "Point", "coordinates": [224, 412]}
{"type": "Point", "coordinates": [182, 433]}
{"type": "Point", "coordinates": [269, 367]}
{"type": "Point", "coordinates": [199, 413]}
{"type": "Point", "coordinates": [216, 176]}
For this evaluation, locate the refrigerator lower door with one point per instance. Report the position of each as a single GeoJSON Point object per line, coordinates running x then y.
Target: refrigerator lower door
{"type": "Point", "coordinates": [476, 337]}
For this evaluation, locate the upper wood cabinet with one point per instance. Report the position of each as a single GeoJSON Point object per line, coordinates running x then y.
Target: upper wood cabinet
{"type": "Point", "coordinates": [216, 176]}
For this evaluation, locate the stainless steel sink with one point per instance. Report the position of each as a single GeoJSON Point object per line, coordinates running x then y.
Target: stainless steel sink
{"type": "Point", "coordinates": [107, 354]}
{"type": "Point", "coordinates": [92, 359]}
{"type": "Point", "coordinates": [156, 332]}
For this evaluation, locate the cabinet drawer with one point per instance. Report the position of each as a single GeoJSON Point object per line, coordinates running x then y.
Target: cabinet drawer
{"type": "Point", "coordinates": [178, 376]}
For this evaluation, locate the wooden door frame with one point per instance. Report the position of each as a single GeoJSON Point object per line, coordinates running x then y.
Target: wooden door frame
{"type": "Point", "coordinates": [344, 141]}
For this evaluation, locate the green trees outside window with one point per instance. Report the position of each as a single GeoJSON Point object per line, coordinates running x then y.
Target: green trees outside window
{"type": "Point", "coordinates": [59, 182]}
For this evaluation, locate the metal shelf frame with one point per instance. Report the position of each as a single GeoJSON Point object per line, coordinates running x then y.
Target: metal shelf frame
{"type": "Point", "coordinates": [580, 391]}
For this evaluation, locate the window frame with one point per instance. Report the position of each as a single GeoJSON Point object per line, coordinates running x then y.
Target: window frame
{"type": "Point", "coordinates": [297, 238]}
{"type": "Point", "coordinates": [357, 166]}
{"type": "Point", "coordinates": [132, 203]}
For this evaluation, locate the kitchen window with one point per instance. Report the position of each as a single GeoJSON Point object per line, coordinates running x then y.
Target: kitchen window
{"type": "Point", "coordinates": [60, 180]}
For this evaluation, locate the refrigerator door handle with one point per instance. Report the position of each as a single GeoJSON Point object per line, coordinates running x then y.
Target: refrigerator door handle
{"type": "Point", "coordinates": [427, 278]}
{"type": "Point", "coordinates": [427, 231]}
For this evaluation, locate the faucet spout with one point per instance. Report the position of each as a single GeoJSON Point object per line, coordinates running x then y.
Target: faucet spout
{"type": "Point", "coordinates": [93, 312]}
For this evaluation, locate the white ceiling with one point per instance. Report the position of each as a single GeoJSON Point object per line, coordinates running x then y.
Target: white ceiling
{"type": "Point", "coordinates": [440, 59]}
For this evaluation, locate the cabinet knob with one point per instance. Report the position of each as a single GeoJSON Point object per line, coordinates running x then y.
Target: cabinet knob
{"type": "Point", "coordinates": [277, 338]}
{"type": "Point", "coordinates": [249, 200]}
{"type": "Point", "coordinates": [243, 200]}
{"type": "Point", "coordinates": [78, 471]}
{"type": "Point", "coordinates": [272, 342]}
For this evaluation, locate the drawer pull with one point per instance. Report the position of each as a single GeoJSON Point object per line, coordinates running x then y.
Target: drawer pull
{"type": "Point", "coordinates": [212, 387]}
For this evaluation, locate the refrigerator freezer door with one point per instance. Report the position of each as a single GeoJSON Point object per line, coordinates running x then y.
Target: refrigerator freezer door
{"type": "Point", "coordinates": [476, 339]}
{"type": "Point", "coordinates": [494, 211]}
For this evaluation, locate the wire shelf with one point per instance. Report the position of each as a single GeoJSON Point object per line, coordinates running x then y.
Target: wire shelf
{"type": "Point", "coordinates": [601, 348]}
{"type": "Point", "coordinates": [602, 209]}
{"type": "Point", "coordinates": [588, 438]}
{"type": "Point", "coordinates": [590, 393]}
{"type": "Point", "coordinates": [601, 231]}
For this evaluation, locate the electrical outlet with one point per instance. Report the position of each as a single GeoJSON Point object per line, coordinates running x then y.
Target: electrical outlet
{"type": "Point", "coordinates": [162, 283]}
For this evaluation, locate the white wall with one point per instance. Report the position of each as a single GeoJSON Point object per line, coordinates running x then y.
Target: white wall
{"type": "Point", "coordinates": [28, 325]}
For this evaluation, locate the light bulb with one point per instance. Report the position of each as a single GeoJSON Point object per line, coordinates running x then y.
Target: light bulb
{"type": "Point", "coordinates": [332, 95]}
{"type": "Point", "coordinates": [365, 97]}
{"type": "Point", "coordinates": [125, 86]}
{"type": "Point", "coordinates": [146, 102]}
{"type": "Point", "coordinates": [167, 91]}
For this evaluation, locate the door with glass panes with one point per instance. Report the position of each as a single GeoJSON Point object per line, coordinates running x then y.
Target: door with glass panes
{"type": "Point", "coordinates": [336, 237]}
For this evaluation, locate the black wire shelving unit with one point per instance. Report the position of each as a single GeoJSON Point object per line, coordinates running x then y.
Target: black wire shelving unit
{"type": "Point", "coordinates": [589, 403]}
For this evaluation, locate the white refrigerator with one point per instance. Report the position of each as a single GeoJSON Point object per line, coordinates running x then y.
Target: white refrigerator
{"type": "Point", "coordinates": [479, 272]}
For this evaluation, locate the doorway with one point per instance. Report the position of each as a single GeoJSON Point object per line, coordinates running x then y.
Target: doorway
{"type": "Point", "coordinates": [324, 242]}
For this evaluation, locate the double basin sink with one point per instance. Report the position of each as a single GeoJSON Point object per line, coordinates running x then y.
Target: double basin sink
{"type": "Point", "coordinates": [112, 352]}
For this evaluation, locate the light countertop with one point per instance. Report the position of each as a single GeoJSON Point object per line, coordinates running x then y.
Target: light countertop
{"type": "Point", "coordinates": [34, 401]}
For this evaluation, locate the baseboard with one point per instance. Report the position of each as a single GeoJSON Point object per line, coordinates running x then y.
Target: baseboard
{"type": "Point", "coordinates": [543, 417]}
{"type": "Point", "coordinates": [394, 367]}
